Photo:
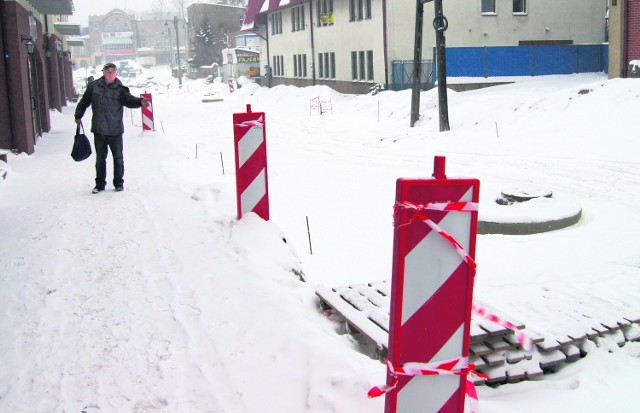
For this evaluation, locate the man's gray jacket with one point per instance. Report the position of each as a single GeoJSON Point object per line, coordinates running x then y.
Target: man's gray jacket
{"type": "Point", "coordinates": [107, 102]}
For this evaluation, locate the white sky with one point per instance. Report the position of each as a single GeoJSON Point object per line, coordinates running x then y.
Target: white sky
{"type": "Point", "coordinates": [85, 8]}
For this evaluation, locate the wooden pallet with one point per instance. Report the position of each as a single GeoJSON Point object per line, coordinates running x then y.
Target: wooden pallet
{"type": "Point", "coordinates": [493, 348]}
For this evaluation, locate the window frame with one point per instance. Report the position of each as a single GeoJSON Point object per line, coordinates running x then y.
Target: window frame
{"type": "Point", "coordinates": [297, 18]}
{"type": "Point", "coordinates": [354, 66]}
{"type": "Point", "coordinates": [523, 12]}
{"type": "Point", "coordinates": [325, 8]}
{"type": "Point", "coordinates": [488, 13]}
{"type": "Point", "coordinates": [332, 65]}
{"type": "Point", "coordinates": [276, 23]}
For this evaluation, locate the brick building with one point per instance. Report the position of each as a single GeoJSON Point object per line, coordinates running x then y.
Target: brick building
{"type": "Point", "coordinates": [35, 69]}
{"type": "Point", "coordinates": [119, 35]}
{"type": "Point", "coordinates": [624, 36]}
{"type": "Point", "coordinates": [212, 28]}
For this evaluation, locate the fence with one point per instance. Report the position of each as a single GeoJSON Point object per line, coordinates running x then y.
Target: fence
{"type": "Point", "coordinates": [402, 74]}
{"type": "Point", "coordinates": [508, 61]}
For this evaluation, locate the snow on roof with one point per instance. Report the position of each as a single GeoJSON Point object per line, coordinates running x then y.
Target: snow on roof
{"type": "Point", "coordinates": [256, 7]}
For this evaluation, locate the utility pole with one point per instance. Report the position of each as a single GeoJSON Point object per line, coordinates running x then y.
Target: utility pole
{"type": "Point", "coordinates": [440, 24]}
{"type": "Point", "coordinates": [175, 26]}
{"type": "Point", "coordinates": [417, 64]}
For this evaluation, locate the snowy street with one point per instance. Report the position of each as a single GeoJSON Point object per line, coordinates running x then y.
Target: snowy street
{"type": "Point", "coordinates": [158, 299]}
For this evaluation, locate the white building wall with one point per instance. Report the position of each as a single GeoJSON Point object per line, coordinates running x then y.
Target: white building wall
{"type": "Point", "coordinates": [582, 22]}
{"type": "Point", "coordinates": [579, 21]}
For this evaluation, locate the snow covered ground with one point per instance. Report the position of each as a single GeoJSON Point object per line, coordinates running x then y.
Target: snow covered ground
{"type": "Point", "coordinates": [157, 299]}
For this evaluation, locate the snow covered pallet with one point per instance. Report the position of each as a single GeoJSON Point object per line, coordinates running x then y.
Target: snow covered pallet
{"type": "Point", "coordinates": [493, 348]}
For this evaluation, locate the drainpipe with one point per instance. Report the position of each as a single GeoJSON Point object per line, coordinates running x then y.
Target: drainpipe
{"type": "Point", "coordinates": [313, 47]}
{"type": "Point", "coordinates": [269, 57]}
{"type": "Point", "coordinates": [385, 44]}
{"type": "Point", "coordinates": [12, 132]}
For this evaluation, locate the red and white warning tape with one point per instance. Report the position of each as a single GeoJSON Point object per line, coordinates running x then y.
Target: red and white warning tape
{"type": "Point", "coordinates": [479, 311]}
{"type": "Point", "coordinates": [442, 206]}
{"type": "Point", "coordinates": [458, 367]}
{"type": "Point", "coordinates": [522, 338]}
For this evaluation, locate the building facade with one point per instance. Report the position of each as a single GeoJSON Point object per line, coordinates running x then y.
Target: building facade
{"type": "Point", "coordinates": [212, 28]}
{"type": "Point", "coordinates": [35, 69]}
{"type": "Point", "coordinates": [350, 44]}
{"type": "Point", "coordinates": [118, 35]}
{"type": "Point", "coordinates": [624, 36]}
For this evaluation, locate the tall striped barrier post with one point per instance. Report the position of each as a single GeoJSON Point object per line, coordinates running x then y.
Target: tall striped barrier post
{"type": "Point", "coordinates": [435, 225]}
{"type": "Point", "coordinates": [147, 114]}
{"type": "Point", "coordinates": [252, 189]}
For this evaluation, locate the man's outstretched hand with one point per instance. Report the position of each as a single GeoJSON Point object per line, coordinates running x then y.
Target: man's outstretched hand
{"type": "Point", "coordinates": [145, 102]}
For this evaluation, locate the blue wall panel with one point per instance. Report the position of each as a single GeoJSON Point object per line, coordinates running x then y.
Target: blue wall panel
{"type": "Point", "coordinates": [508, 61]}
{"type": "Point", "coordinates": [465, 61]}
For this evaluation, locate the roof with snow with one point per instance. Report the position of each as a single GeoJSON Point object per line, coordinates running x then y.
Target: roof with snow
{"type": "Point", "coordinates": [255, 8]}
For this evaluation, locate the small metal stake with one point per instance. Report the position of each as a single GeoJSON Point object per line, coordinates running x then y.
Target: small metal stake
{"type": "Point", "coordinates": [309, 234]}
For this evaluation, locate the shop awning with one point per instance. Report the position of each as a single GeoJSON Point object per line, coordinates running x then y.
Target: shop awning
{"type": "Point", "coordinates": [67, 29]}
{"type": "Point", "coordinates": [75, 42]}
{"type": "Point", "coordinates": [64, 7]}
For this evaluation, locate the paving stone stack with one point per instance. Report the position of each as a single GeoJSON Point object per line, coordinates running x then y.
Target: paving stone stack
{"type": "Point", "coordinates": [493, 348]}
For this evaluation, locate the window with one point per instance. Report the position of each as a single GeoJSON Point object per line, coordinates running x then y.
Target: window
{"type": "Point", "coordinates": [370, 65]}
{"type": "Point", "coordinates": [354, 65]}
{"type": "Point", "coordinates": [325, 12]}
{"type": "Point", "coordinates": [300, 65]}
{"type": "Point", "coordinates": [326, 65]}
{"type": "Point", "coordinates": [519, 6]}
{"type": "Point", "coordinates": [276, 23]}
{"type": "Point", "coordinates": [332, 73]}
{"type": "Point", "coordinates": [327, 74]}
{"type": "Point", "coordinates": [488, 6]}
{"type": "Point", "coordinates": [304, 65]}
{"type": "Point", "coordinates": [278, 66]}
{"type": "Point", "coordinates": [359, 10]}
{"type": "Point", "coordinates": [362, 66]}
{"type": "Point", "coordinates": [297, 18]}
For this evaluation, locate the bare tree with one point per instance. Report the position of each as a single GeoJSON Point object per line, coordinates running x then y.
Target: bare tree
{"type": "Point", "coordinates": [181, 7]}
{"type": "Point", "coordinates": [158, 6]}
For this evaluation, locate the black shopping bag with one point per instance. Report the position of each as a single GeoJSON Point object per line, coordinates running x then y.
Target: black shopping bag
{"type": "Point", "coordinates": [81, 146]}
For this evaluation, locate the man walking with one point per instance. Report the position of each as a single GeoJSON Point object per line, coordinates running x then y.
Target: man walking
{"type": "Point", "coordinates": [107, 97]}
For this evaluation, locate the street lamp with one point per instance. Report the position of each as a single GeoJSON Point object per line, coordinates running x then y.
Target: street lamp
{"type": "Point", "coordinates": [30, 47]}
{"type": "Point", "coordinates": [175, 26]}
{"type": "Point", "coordinates": [168, 29]}
{"type": "Point", "coordinates": [32, 96]}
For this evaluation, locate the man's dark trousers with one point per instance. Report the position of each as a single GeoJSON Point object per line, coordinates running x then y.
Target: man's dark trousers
{"type": "Point", "coordinates": [103, 143]}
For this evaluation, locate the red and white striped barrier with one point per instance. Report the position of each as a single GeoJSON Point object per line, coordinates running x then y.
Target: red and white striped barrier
{"type": "Point", "coordinates": [252, 189]}
{"type": "Point", "coordinates": [455, 367]}
{"type": "Point", "coordinates": [147, 114]}
{"type": "Point", "coordinates": [231, 86]}
{"type": "Point", "coordinates": [431, 292]}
